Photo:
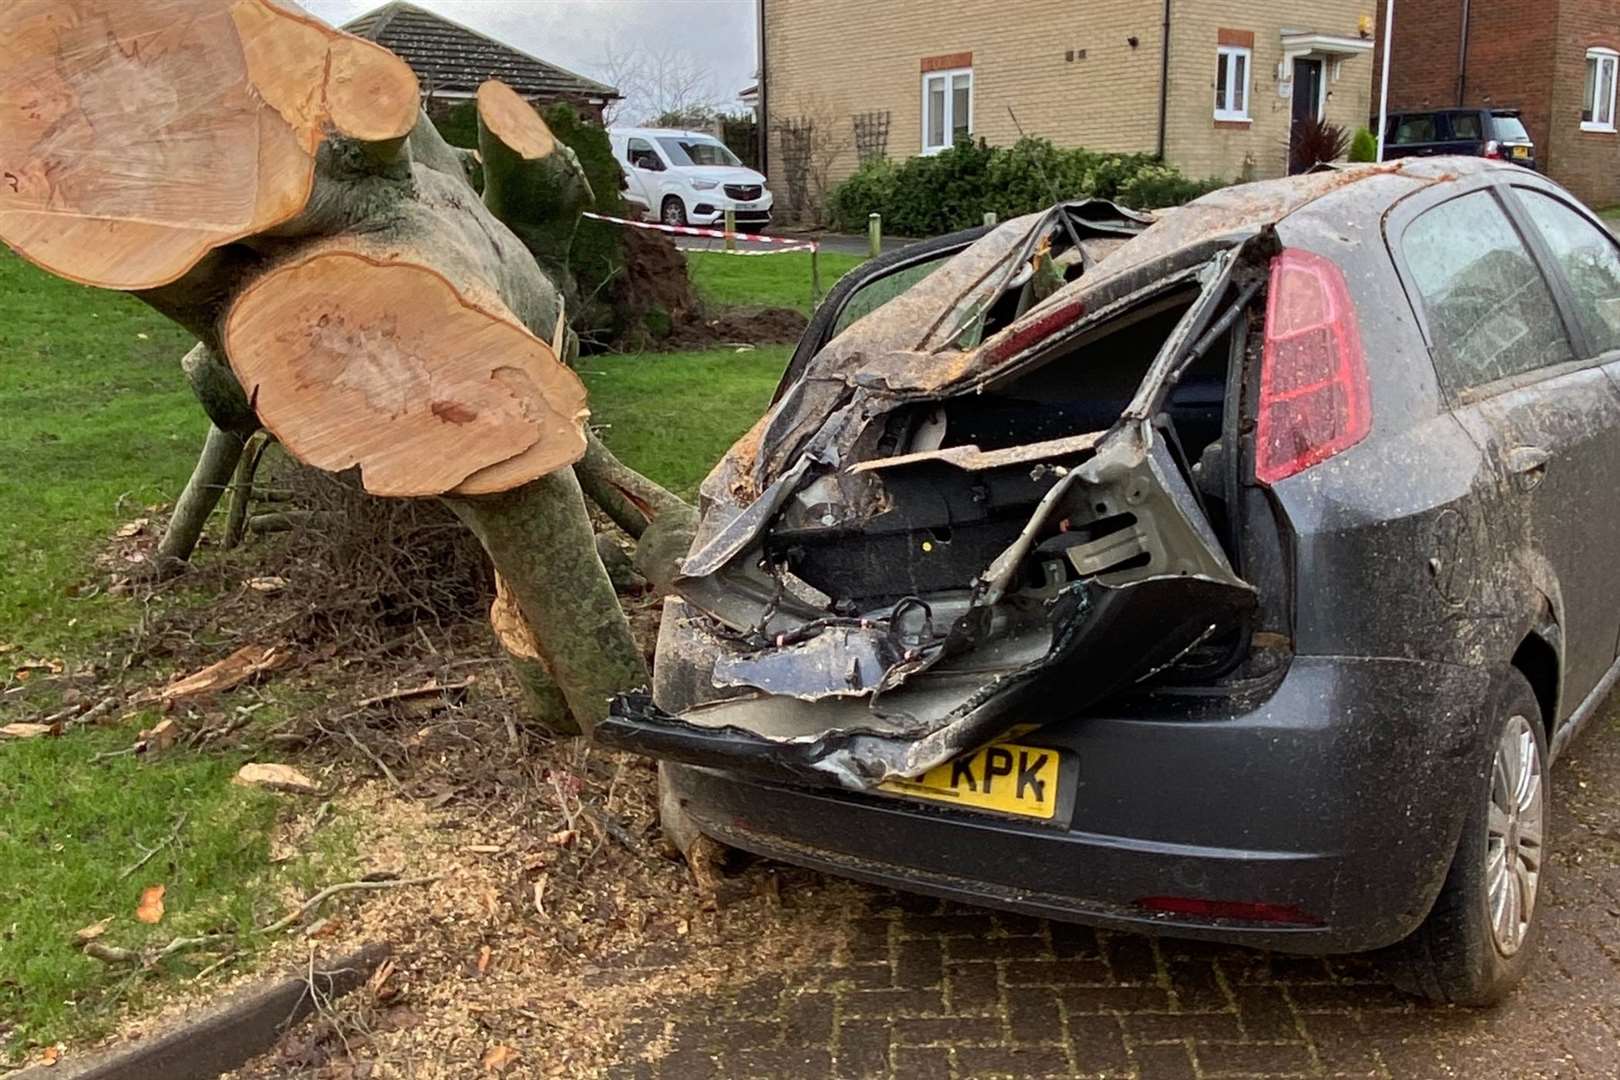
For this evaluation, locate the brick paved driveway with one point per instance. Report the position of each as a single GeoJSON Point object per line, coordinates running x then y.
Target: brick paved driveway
{"type": "Point", "coordinates": [918, 989]}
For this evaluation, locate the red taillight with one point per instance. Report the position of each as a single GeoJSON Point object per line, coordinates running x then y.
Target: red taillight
{"type": "Point", "coordinates": [1493, 150]}
{"type": "Point", "coordinates": [1314, 399]}
{"type": "Point", "coordinates": [1041, 327]}
{"type": "Point", "coordinates": [1242, 910]}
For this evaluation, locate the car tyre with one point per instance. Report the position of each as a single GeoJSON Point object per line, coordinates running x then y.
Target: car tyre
{"type": "Point", "coordinates": [673, 211]}
{"type": "Point", "coordinates": [1485, 927]}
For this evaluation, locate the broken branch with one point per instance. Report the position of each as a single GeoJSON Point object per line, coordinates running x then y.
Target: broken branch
{"type": "Point", "coordinates": [179, 823]}
{"type": "Point", "coordinates": [314, 902]}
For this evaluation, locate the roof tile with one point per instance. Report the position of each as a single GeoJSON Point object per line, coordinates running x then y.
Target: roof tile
{"type": "Point", "coordinates": [450, 58]}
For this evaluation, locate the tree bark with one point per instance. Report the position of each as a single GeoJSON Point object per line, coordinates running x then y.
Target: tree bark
{"type": "Point", "coordinates": [221, 451]}
{"type": "Point", "coordinates": [242, 489]}
{"type": "Point", "coordinates": [541, 541]}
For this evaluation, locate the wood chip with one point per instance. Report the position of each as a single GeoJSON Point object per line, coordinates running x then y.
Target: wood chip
{"type": "Point", "coordinates": [150, 909]}
{"type": "Point", "coordinates": [85, 935]}
{"type": "Point", "coordinates": [499, 1058]}
{"type": "Point", "coordinates": [160, 737]}
{"type": "Point", "coordinates": [273, 777]}
{"type": "Point", "coordinates": [243, 664]}
{"type": "Point", "coordinates": [270, 584]}
{"type": "Point", "coordinates": [29, 731]}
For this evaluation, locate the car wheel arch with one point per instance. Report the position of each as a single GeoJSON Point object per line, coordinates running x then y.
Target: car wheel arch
{"type": "Point", "coordinates": [1538, 659]}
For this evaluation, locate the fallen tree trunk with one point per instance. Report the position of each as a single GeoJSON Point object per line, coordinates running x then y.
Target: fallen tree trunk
{"type": "Point", "coordinates": [269, 183]}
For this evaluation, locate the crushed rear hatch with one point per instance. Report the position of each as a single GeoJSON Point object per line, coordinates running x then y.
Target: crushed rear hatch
{"type": "Point", "coordinates": [994, 495]}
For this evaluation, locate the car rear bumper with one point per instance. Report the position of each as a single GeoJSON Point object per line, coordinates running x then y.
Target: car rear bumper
{"type": "Point", "coordinates": [1338, 799]}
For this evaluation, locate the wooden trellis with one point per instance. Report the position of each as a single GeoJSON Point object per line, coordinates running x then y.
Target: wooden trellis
{"type": "Point", "coordinates": [797, 138]}
{"type": "Point", "coordinates": [871, 135]}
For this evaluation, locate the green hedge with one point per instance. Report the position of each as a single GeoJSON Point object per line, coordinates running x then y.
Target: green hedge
{"type": "Point", "coordinates": [927, 196]}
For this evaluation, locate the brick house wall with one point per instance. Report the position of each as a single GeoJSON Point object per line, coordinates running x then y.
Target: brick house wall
{"type": "Point", "coordinates": [1201, 146]}
{"type": "Point", "coordinates": [830, 59]}
{"type": "Point", "coordinates": [1586, 162]}
{"type": "Point", "coordinates": [1088, 81]}
{"type": "Point", "coordinates": [1528, 55]}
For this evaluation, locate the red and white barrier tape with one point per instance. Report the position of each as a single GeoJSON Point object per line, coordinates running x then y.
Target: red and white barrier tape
{"type": "Point", "coordinates": [784, 244]}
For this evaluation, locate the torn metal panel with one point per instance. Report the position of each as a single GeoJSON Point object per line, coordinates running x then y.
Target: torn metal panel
{"type": "Point", "coordinates": [972, 459]}
{"type": "Point", "coordinates": [929, 534]}
{"type": "Point", "coordinates": [1093, 647]}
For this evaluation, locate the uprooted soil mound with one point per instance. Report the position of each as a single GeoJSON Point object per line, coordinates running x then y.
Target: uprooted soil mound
{"type": "Point", "coordinates": [650, 305]}
{"type": "Point", "coordinates": [655, 276]}
{"type": "Point", "coordinates": [744, 326]}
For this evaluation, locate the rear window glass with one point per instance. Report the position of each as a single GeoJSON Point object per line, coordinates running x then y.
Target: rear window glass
{"type": "Point", "coordinates": [1490, 312]}
{"type": "Point", "coordinates": [1589, 262]}
{"type": "Point", "coordinates": [1509, 128]}
{"type": "Point", "coordinates": [1465, 125]}
{"type": "Point", "coordinates": [1414, 129]}
{"type": "Point", "coordinates": [697, 152]}
{"type": "Point", "coordinates": [868, 298]}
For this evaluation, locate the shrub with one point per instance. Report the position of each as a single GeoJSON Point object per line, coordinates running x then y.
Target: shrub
{"type": "Point", "coordinates": [1315, 141]}
{"type": "Point", "coordinates": [927, 196]}
{"type": "Point", "coordinates": [870, 189]}
{"type": "Point", "coordinates": [458, 124]}
{"type": "Point", "coordinates": [1363, 146]}
{"type": "Point", "coordinates": [1158, 185]}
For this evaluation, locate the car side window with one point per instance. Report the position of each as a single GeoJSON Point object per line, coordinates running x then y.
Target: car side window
{"type": "Point", "coordinates": [1465, 125]}
{"type": "Point", "coordinates": [1590, 263]}
{"type": "Point", "coordinates": [1414, 129]}
{"type": "Point", "coordinates": [640, 153]}
{"type": "Point", "coordinates": [1490, 312]}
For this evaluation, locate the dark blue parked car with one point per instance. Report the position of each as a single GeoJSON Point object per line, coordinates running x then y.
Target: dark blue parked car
{"type": "Point", "coordinates": [1235, 576]}
{"type": "Point", "coordinates": [1497, 134]}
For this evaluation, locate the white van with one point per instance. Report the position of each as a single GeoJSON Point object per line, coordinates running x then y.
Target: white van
{"type": "Point", "coordinates": [688, 178]}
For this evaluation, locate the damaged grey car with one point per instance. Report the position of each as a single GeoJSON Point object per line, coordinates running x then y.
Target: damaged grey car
{"type": "Point", "coordinates": [1232, 573]}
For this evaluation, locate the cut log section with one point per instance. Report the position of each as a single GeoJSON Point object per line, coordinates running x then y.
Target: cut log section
{"type": "Point", "coordinates": [135, 137]}
{"type": "Point", "coordinates": [532, 182]}
{"type": "Point", "coordinates": [350, 361]}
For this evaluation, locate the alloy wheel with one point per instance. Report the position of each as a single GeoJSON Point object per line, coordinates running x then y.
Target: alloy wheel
{"type": "Point", "coordinates": [1516, 822]}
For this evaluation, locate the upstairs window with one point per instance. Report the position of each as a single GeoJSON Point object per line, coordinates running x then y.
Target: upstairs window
{"type": "Point", "coordinates": [1597, 108]}
{"type": "Point", "coordinates": [947, 108]}
{"type": "Point", "coordinates": [1232, 64]}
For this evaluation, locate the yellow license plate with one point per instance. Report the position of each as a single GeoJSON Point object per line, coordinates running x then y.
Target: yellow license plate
{"type": "Point", "coordinates": [1521, 151]}
{"type": "Point", "coordinates": [1004, 777]}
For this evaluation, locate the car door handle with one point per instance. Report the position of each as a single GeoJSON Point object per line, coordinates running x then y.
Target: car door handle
{"type": "Point", "coordinates": [1529, 465]}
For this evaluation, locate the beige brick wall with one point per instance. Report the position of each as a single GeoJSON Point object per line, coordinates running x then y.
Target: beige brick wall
{"type": "Point", "coordinates": [1200, 147]}
{"type": "Point", "coordinates": [832, 59]}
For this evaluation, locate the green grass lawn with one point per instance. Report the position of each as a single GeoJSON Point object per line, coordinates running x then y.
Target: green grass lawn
{"type": "Point", "coordinates": [782, 280]}
{"type": "Point", "coordinates": [96, 423]}
{"type": "Point", "coordinates": [1611, 214]}
{"type": "Point", "coordinates": [672, 415]}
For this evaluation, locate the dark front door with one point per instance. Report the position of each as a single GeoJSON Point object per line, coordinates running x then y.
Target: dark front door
{"type": "Point", "coordinates": [1307, 107]}
{"type": "Point", "coordinates": [1307, 90]}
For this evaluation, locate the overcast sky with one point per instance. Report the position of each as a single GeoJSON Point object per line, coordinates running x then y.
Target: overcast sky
{"type": "Point", "coordinates": [719, 35]}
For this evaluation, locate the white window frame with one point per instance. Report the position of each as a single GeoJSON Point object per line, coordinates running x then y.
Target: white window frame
{"type": "Point", "coordinates": [947, 76]}
{"type": "Point", "coordinates": [1605, 58]}
{"type": "Point", "coordinates": [1225, 57]}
